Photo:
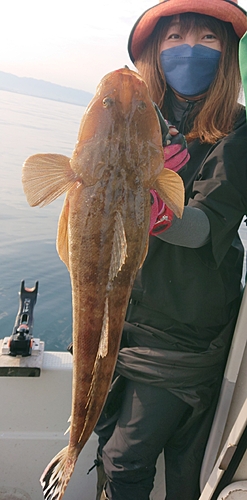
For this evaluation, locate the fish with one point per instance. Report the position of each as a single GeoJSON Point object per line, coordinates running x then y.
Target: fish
{"type": "Point", "coordinates": [102, 237]}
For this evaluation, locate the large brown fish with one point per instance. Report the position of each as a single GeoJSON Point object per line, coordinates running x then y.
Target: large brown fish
{"type": "Point", "coordinates": [102, 237]}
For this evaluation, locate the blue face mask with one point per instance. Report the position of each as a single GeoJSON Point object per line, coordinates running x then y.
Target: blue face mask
{"type": "Point", "coordinates": [190, 70]}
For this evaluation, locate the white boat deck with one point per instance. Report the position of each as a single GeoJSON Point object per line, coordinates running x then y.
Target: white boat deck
{"type": "Point", "coordinates": [34, 413]}
{"type": "Point", "coordinates": [33, 419]}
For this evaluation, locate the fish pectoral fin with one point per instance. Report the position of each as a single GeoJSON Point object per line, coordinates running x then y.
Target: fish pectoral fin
{"type": "Point", "coordinates": [170, 188]}
{"type": "Point", "coordinates": [62, 234]}
{"type": "Point", "coordinates": [119, 248]}
{"type": "Point", "coordinates": [45, 177]}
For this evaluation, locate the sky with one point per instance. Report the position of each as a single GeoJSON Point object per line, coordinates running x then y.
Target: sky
{"type": "Point", "coordinates": [72, 43]}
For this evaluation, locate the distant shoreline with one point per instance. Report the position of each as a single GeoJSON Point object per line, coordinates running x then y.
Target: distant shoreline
{"type": "Point", "coordinates": [43, 89]}
{"type": "Point", "coordinates": [43, 97]}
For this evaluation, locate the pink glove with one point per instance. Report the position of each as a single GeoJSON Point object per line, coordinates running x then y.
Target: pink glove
{"type": "Point", "coordinates": [175, 159]}
{"type": "Point", "coordinates": [176, 154]}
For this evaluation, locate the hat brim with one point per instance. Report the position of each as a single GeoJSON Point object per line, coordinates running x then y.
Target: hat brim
{"type": "Point", "coordinates": [225, 10]}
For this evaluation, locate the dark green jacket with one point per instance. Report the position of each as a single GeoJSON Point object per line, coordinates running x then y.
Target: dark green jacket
{"type": "Point", "coordinates": [185, 301]}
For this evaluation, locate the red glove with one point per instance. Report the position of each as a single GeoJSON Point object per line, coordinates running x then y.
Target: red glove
{"type": "Point", "coordinates": [161, 216]}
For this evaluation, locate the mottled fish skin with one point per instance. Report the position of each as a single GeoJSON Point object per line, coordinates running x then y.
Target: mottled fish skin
{"type": "Point", "coordinates": [102, 238]}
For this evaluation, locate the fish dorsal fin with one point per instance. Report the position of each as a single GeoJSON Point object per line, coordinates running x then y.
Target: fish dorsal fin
{"type": "Point", "coordinates": [68, 430]}
{"type": "Point", "coordinates": [45, 177]}
{"type": "Point", "coordinates": [62, 234]}
{"type": "Point", "coordinates": [119, 248]}
{"type": "Point", "coordinates": [104, 337]}
{"type": "Point", "coordinates": [170, 188]}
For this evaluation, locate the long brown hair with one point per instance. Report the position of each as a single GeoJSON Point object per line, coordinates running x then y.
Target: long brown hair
{"type": "Point", "coordinates": [214, 116]}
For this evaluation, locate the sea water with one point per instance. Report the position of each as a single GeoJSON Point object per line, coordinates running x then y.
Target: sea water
{"type": "Point", "coordinates": [30, 125]}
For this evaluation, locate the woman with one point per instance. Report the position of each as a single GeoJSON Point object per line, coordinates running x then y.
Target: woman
{"type": "Point", "coordinates": [185, 298]}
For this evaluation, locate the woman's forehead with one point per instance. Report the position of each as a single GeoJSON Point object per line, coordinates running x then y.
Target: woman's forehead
{"type": "Point", "coordinates": [191, 21]}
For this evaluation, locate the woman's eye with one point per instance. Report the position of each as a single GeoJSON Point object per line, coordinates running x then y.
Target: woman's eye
{"type": "Point", "coordinates": [173, 36]}
{"type": "Point", "coordinates": [210, 36]}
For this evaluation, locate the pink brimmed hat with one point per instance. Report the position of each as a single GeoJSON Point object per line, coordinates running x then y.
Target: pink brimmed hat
{"type": "Point", "coordinates": [225, 10]}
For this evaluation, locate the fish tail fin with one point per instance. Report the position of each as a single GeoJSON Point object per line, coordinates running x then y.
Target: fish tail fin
{"type": "Point", "coordinates": [56, 476]}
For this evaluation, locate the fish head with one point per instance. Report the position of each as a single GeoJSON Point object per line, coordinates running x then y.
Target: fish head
{"type": "Point", "coordinates": [123, 93]}
{"type": "Point", "coordinates": [120, 121]}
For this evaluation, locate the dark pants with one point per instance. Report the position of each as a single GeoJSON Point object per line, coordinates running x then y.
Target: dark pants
{"type": "Point", "coordinates": [147, 424]}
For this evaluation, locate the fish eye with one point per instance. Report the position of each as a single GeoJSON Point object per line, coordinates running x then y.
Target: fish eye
{"type": "Point", "coordinates": [107, 102]}
{"type": "Point", "coordinates": [141, 106]}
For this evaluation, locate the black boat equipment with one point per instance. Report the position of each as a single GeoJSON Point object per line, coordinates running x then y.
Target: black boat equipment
{"type": "Point", "coordinates": [21, 340]}
{"type": "Point", "coordinates": [21, 354]}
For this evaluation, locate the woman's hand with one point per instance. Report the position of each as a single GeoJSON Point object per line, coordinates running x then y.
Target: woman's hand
{"type": "Point", "coordinates": [176, 154]}
{"type": "Point", "coordinates": [161, 216]}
